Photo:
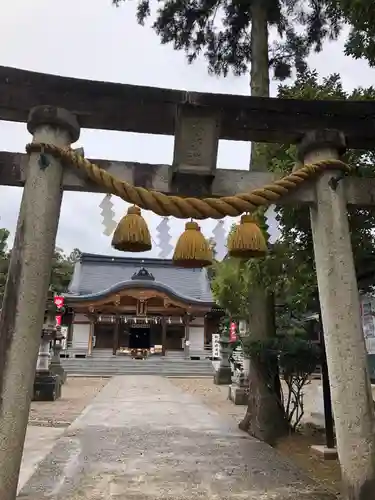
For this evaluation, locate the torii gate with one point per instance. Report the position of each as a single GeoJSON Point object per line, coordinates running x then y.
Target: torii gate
{"type": "Point", "coordinates": [56, 107]}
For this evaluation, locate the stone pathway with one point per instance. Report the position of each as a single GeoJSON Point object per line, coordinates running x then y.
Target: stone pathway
{"type": "Point", "coordinates": [143, 438]}
{"type": "Point", "coordinates": [48, 420]}
{"type": "Point", "coordinates": [38, 444]}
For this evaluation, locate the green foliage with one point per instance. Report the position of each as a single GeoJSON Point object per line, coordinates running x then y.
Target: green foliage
{"type": "Point", "coordinates": [4, 260]}
{"type": "Point", "coordinates": [221, 30]}
{"type": "Point", "coordinates": [360, 16]}
{"type": "Point", "coordinates": [62, 269]}
{"type": "Point", "coordinates": [289, 269]}
{"type": "Point", "coordinates": [297, 355]}
{"type": "Point", "coordinates": [224, 326]}
{"type": "Point", "coordinates": [299, 282]}
{"type": "Point", "coordinates": [234, 279]}
{"type": "Point", "coordinates": [4, 235]}
{"type": "Point", "coordinates": [62, 266]}
{"type": "Point", "coordinates": [297, 360]}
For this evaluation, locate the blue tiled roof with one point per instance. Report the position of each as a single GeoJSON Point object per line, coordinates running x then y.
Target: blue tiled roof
{"type": "Point", "coordinates": [95, 274]}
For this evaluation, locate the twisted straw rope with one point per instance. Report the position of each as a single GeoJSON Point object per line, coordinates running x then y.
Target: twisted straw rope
{"type": "Point", "coordinates": [184, 208]}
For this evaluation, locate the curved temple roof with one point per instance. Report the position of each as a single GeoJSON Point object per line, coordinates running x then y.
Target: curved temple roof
{"type": "Point", "coordinates": [97, 276]}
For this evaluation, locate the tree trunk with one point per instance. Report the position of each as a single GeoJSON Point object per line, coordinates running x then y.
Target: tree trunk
{"type": "Point", "coordinates": [259, 73]}
{"type": "Point", "coordinates": [265, 416]}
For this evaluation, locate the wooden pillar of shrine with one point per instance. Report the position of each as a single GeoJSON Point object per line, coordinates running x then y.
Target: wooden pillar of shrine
{"type": "Point", "coordinates": [116, 335]}
{"type": "Point", "coordinates": [187, 336]}
{"type": "Point", "coordinates": [163, 335]}
{"type": "Point", "coordinates": [92, 319]}
{"type": "Point", "coordinates": [91, 335]}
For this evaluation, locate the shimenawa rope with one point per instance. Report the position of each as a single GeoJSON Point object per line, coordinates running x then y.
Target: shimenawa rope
{"type": "Point", "coordinates": [184, 208]}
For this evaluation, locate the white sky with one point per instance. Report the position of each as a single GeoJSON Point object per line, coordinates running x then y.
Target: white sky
{"type": "Point", "coordinates": [91, 39]}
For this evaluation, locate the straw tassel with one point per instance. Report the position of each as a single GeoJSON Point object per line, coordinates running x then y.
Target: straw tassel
{"type": "Point", "coordinates": [192, 249]}
{"type": "Point", "coordinates": [132, 234]}
{"type": "Point", "coordinates": [247, 241]}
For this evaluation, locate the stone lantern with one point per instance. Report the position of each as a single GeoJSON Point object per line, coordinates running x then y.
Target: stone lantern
{"type": "Point", "coordinates": [47, 385]}
{"type": "Point", "coordinates": [55, 366]}
{"type": "Point", "coordinates": [223, 375]}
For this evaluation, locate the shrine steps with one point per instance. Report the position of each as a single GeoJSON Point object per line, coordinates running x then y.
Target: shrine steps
{"type": "Point", "coordinates": [118, 365]}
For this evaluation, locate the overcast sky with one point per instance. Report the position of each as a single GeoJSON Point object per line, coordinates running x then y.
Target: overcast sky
{"type": "Point", "coordinates": [91, 39]}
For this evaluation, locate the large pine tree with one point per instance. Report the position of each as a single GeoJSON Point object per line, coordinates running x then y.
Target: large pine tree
{"type": "Point", "coordinates": [233, 35]}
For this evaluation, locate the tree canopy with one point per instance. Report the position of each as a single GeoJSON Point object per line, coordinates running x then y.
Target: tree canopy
{"type": "Point", "coordinates": [62, 266]}
{"type": "Point", "coordinates": [289, 269]}
{"type": "Point", "coordinates": [4, 260]}
{"type": "Point", "coordinates": [227, 32]}
{"type": "Point", "coordinates": [360, 16]}
{"type": "Point", "coordinates": [62, 269]}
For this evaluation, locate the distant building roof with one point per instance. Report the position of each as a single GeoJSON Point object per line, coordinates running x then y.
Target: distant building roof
{"type": "Point", "coordinates": [95, 276]}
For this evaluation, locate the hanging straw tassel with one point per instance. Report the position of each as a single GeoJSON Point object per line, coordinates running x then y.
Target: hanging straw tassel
{"type": "Point", "coordinates": [192, 248]}
{"type": "Point", "coordinates": [132, 234]}
{"type": "Point", "coordinates": [247, 240]}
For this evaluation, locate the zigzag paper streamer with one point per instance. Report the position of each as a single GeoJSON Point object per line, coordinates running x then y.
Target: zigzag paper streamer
{"type": "Point", "coordinates": [164, 238]}
{"type": "Point", "coordinates": [219, 233]}
{"type": "Point", "coordinates": [108, 214]}
{"type": "Point", "coordinates": [273, 228]}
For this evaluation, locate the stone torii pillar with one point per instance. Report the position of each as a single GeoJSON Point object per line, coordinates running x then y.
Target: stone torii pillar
{"type": "Point", "coordinates": [340, 308]}
{"type": "Point", "coordinates": [26, 290]}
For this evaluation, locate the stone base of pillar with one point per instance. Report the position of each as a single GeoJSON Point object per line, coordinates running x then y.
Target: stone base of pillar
{"type": "Point", "coordinates": [56, 368]}
{"type": "Point", "coordinates": [223, 375]}
{"type": "Point", "coordinates": [47, 387]}
{"type": "Point", "coordinates": [326, 453]}
{"type": "Point", "coordinates": [238, 395]}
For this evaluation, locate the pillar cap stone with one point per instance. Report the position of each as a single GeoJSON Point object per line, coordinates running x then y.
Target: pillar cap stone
{"type": "Point", "coordinates": [316, 140]}
{"type": "Point", "coordinates": [57, 117]}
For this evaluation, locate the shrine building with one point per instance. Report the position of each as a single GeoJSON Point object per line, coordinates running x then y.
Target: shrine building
{"type": "Point", "coordinates": [123, 303]}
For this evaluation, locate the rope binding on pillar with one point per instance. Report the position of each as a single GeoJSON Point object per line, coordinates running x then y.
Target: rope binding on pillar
{"type": "Point", "coordinates": [245, 237]}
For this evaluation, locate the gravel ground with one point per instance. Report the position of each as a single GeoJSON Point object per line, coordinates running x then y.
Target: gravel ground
{"type": "Point", "coordinates": [214, 396]}
{"type": "Point", "coordinates": [295, 448]}
{"type": "Point", "coordinates": [77, 393]}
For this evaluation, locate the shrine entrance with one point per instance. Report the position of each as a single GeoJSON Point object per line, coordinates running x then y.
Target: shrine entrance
{"type": "Point", "coordinates": [322, 131]}
{"type": "Point", "coordinates": [139, 338]}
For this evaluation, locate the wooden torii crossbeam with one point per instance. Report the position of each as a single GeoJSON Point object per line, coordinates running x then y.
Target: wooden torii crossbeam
{"type": "Point", "coordinates": [56, 107]}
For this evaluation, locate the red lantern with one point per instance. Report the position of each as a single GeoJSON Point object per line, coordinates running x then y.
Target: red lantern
{"type": "Point", "coordinates": [59, 301]}
{"type": "Point", "coordinates": [233, 332]}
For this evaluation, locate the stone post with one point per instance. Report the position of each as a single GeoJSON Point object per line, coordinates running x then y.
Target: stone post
{"type": "Point", "coordinates": [340, 309]}
{"type": "Point", "coordinates": [25, 295]}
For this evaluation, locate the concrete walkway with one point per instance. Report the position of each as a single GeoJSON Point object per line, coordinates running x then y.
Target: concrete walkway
{"type": "Point", "coordinates": [38, 444]}
{"type": "Point", "coordinates": [143, 438]}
